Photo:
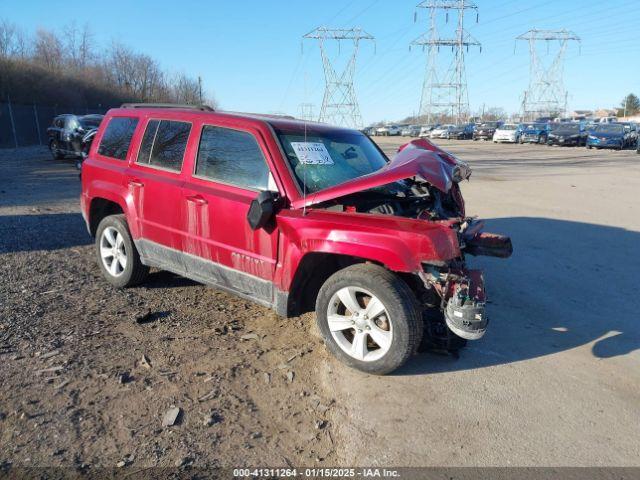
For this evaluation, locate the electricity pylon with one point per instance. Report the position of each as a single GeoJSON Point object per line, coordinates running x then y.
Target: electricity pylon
{"type": "Point", "coordinates": [445, 92]}
{"type": "Point", "coordinates": [305, 112]}
{"type": "Point", "coordinates": [339, 104]}
{"type": "Point", "coordinates": [546, 95]}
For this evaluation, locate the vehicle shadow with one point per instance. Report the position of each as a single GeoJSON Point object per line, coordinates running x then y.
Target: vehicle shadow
{"type": "Point", "coordinates": [52, 231]}
{"type": "Point", "coordinates": [164, 279]}
{"type": "Point", "coordinates": [568, 284]}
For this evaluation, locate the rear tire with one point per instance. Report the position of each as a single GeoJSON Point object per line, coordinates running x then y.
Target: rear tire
{"type": "Point", "coordinates": [54, 148]}
{"type": "Point", "coordinates": [117, 255]}
{"type": "Point", "coordinates": [378, 344]}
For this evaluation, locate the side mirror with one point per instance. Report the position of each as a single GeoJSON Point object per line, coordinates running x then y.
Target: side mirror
{"type": "Point", "coordinates": [262, 209]}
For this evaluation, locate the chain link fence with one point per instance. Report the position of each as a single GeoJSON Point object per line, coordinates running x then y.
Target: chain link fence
{"type": "Point", "coordinates": [26, 125]}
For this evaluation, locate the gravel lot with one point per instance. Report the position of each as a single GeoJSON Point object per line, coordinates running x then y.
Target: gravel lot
{"type": "Point", "coordinates": [87, 377]}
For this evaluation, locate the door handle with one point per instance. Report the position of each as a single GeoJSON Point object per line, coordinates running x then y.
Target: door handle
{"type": "Point", "coordinates": [197, 199]}
{"type": "Point", "coordinates": [136, 183]}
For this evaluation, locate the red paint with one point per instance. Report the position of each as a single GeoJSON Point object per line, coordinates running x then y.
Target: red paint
{"type": "Point", "coordinates": [208, 219]}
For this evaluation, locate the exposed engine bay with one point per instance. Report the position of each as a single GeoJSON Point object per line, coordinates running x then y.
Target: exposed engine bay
{"type": "Point", "coordinates": [411, 198]}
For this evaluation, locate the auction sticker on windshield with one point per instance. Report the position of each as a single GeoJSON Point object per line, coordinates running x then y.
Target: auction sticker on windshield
{"type": "Point", "coordinates": [312, 153]}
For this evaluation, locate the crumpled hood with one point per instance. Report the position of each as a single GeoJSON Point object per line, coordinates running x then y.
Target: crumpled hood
{"type": "Point", "coordinates": [418, 158]}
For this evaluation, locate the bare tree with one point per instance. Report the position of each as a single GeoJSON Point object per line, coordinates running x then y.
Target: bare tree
{"type": "Point", "coordinates": [76, 70]}
{"type": "Point", "coordinates": [186, 90]}
{"type": "Point", "coordinates": [78, 45]}
{"type": "Point", "coordinates": [12, 41]}
{"type": "Point", "coordinates": [48, 50]}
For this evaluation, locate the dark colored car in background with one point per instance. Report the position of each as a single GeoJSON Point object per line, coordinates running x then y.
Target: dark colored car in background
{"type": "Point", "coordinates": [463, 132]}
{"type": "Point", "coordinates": [67, 134]}
{"type": "Point", "coordinates": [534, 132]}
{"type": "Point", "coordinates": [567, 134]}
{"type": "Point", "coordinates": [607, 135]}
{"type": "Point", "coordinates": [630, 134]}
{"type": "Point", "coordinates": [485, 130]}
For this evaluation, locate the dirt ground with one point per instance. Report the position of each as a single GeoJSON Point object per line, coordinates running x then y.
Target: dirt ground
{"type": "Point", "coordinates": [88, 373]}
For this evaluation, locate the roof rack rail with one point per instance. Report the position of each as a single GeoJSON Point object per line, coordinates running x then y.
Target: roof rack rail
{"type": "Point", "coordinates": [203, 108]}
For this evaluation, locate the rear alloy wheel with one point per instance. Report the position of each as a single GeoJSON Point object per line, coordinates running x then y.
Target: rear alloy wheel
{"type": "Point", "coordinates": [117, 255]}
{"type": "Point", "coordinates": [369, 318]}
{"type": "Point", "coordinates": [54, 148]}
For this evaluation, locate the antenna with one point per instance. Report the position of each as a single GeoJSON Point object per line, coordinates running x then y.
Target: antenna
{"type": "Point", "coordinates": [305, 112]}
{"type": "Point", "coordinates": [339, 105]}
{"type": "Point", "coordinates": [546, 95]}
{"type": "Point", "coordinates": [445, 91]}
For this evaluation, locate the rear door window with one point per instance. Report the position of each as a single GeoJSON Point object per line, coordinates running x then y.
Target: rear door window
{"type": "Point", "coordinates": [164, 144]}
{"type": "Point", "coordinates": [117, 137]}
{"type": "Point", "coordinates": [233, 157]}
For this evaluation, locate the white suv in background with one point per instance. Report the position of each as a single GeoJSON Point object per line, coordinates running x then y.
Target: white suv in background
{"type": "Point", "coordinates": [443, 131]}
{"type": "Point", "coordinates": [388, 131]}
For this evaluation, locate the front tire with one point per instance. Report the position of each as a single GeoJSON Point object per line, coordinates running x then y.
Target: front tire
{"type": "Point", "coordinates": [117, 255]}
{"type": "Point", "coordinates": [369, 318]}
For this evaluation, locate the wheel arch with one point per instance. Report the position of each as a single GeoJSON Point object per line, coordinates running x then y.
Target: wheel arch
{"type": "Point", "coordinates": [100, 208]}
{"type": "Point", "coordinates": [313, 271]}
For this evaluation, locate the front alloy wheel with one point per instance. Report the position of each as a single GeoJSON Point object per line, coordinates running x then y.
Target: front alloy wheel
{"type": "Point", "coordinates": [359, 324]}
{"type": "Point", "coordinates": [369, 318]}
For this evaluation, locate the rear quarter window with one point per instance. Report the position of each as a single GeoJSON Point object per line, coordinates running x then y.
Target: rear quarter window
{"type": "Point", "coordinates": [117, 137]}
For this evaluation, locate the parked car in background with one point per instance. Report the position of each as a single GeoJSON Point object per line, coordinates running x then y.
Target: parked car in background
{"type": "Point", "coordinates": [567, 134]}
{"type": "Point", "coordinates": [638, 145]}
{"type": "Point", "coordinates": [607, 135]}
{"type": "Point", "coordinates": [462, 132]}
{"type": "Point", "coordinates": [426, 130]}
{"type": "Point", "coordinates": [388, 131]}
{"type": "Point", "coordinates": [630, 134]}
{"type": "Point", "coordinates": [485, 130]}
{"type": "Point", "coordinates": [381, 271]}
{"type": "Point", "coordinates": [443, 131]}
{"type": "Point", "coordinates": [410, 131]}
{"type": "Point", "coordinates": [370, 131]}
{"type": "Point", "coordinates": [66, 134]}
{"type": "Point", "coordinates": [507, 133]}
{"type": "Point", "coordinates": [534, 132]}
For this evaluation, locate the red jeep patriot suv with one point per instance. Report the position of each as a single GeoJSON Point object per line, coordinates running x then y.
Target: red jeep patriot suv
{"type": "Point", "coordinates": [296, 216]}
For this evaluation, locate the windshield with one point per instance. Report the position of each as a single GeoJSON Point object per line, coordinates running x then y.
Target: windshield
{"type": "Point", "coordinates": [571, 127]}
{"type": "Point", "coordinates": [509, 127]}
{"type": "Point", "coordinates": [321, 159]}
{"type": "Point", "coordinates": [609, 128]}
{"type": "Point", "coordinates": [535, 126]}
{"type": "Point", "coordinates": [489, 125]}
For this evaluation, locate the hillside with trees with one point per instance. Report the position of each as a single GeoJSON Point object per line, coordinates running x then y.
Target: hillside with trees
{"type": "Point", "coordinates": [67, 67]}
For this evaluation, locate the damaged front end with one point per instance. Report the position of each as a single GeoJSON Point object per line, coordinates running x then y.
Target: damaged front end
{"type": "Point", "coordinates": [422, 182]}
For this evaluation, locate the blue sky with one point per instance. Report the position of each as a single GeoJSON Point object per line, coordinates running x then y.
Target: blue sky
{"type": "Point", "coordinates": [250, 57]}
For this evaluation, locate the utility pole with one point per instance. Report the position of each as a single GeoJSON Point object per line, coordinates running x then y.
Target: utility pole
{"type": "Point", "coordinates": [445, 90]}
{"type": "Point", "coordinates": [546, 94]}
{"type": "Point", "coordinates": [339, 104]}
